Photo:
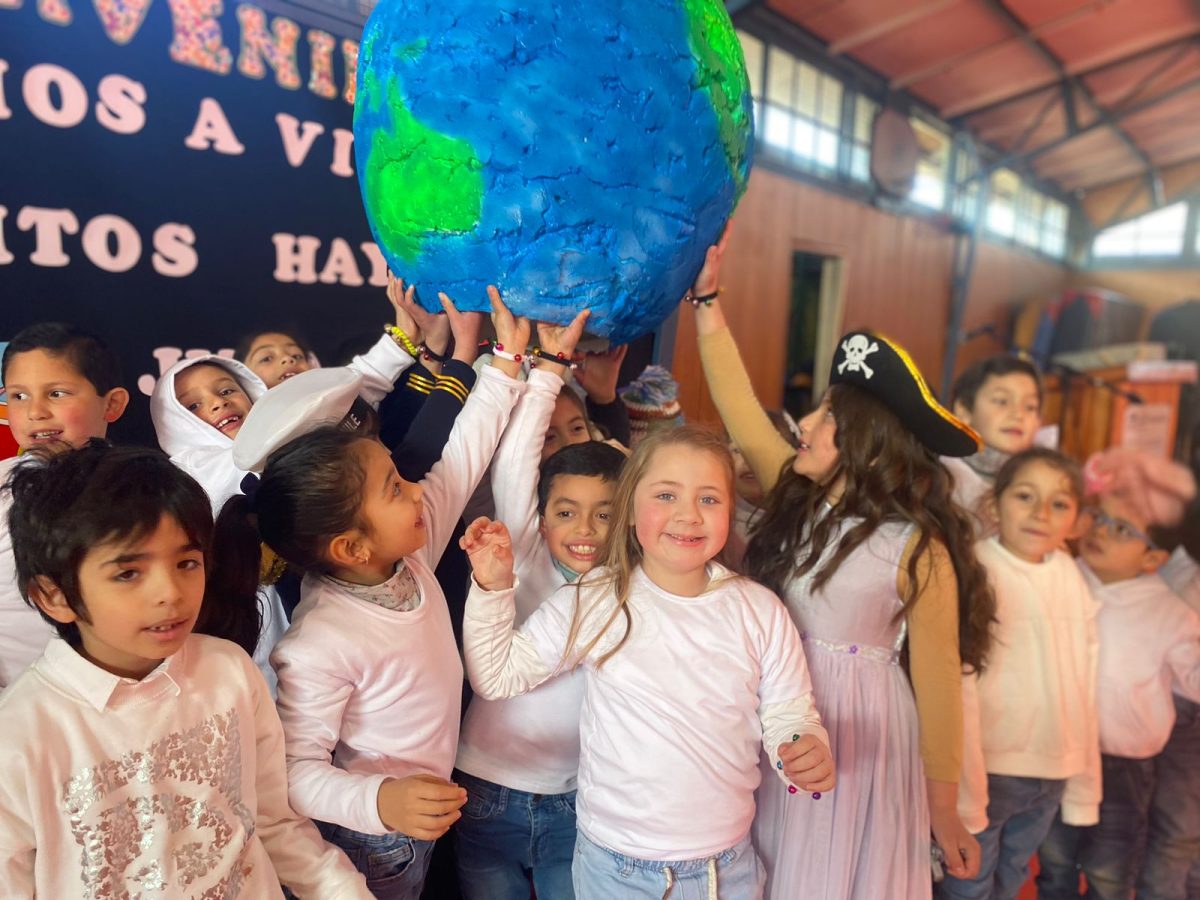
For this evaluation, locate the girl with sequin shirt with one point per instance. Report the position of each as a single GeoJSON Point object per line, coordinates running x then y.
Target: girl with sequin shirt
{"type": "Point", "coordinates": [690, 671]}
{"type": "Point", "coordinates": [140, 758]}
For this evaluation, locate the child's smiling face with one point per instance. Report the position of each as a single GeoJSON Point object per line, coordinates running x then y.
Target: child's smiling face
{"type": "Point", "coordinates": [274, 357]}
{"type": "Point", "coordinates": [577, 518]}
{"type": "Point", "coordinates": [1037, 511]}
{"type": "Point", "coordinates": [1006, 413]}
{"type": "Point", "coordinates": [211, 393]}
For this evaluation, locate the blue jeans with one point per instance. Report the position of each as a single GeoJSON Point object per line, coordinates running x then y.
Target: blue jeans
{"type": "Point", "coordinates": [603, 874]}
{"type": "Point", "coordinates": [1020, 812]}
{"type": "Point", "coordinates": [1108, 853]}
{"type": "Point", "coordinates": [393, 864]}
{"type": "Point", "coordinates": [1173, 846]}
{"type": "Point", "coordinates": [509, 839]}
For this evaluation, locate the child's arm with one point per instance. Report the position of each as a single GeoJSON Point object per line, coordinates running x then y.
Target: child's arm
{"type": "Point", "coordinates": [386, 361]}
{"type": "Point", "coordinates": [936, 672]}
{"type": "Point", "coordinates": [311, 705]}
{"type": "Point", "coordinates": [18, 844]}
{"type": "Point", "coordinates": [502, 662]}
{"type": "Point", "coordinates": [597, 375]}
{"type": "Point", "coordinates": [302, 859]}
{"type": "Point", "coordinates": [518, 458]}
{"type": "Point", "coordinates": [1184, 656]}
{"type": "Point", "coordinates": [475, 435]}
{"type": "Point", "coordinates": [792, 733]}
{"type": "Point", "coordinates": [1081, 799]}
{"type": "Point", "coordinates": [430, 429]}
{"type": "Point", "coordinates": [749, 427]}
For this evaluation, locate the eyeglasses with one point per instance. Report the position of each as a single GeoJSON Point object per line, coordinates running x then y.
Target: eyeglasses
{"type": "Point", "coordinates": [1119, 528]}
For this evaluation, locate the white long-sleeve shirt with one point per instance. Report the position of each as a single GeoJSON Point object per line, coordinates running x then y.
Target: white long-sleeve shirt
{"type": "Point", "coordinates": [1149, 644]}
{"type": "Point", "coordinates": [672, 723]}
{"type": "Point", "coordinates": [24, 634]}
{"type": "Point", "coordinates": [172, 786]}
{"type": "Point", "coordinates": [381, 689]}
{"type": "Point", "coordinates": [531, 742]}
{"type": "Point", "coordinates": [1037, 696]}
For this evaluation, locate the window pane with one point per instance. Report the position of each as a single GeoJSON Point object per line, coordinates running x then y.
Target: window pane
{"type": "Point", "coordinates": [864, 118]}
{"type": "Point", "coordinates": [1000, 218]}
{"type": "Point", "coordinates": [752, 49]}
{"type": "Point", "coordinates": [929, 187]}
{"type": "Point", "coordinates": [807, 90]}
{"type": "Point", "coordinates": [827, 147]}
{"type": "Point", "coordinates": [777, 128]}
{"type": "Point", "coordinates": [1054, 243]}
{"type": "Point", "coordinates": [860, 163]}
{"type": "Point", "coordinates": [831, 101]}
{"type": "Point", "coordinates": [802, 139]}
{"type": "Point", "coordinates": [780, 73]}
{"type": "Point", "coordinates": [1159, 233]}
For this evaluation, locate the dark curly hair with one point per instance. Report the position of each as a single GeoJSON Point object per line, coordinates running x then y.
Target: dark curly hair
{"type": "Point", "coordinates": [887, 475]}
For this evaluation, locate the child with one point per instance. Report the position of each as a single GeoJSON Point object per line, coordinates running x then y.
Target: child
{"type": "Point", "coordinates": [139, 758]}
{"type": "Point", "coordinates": [64, 388]}
{"type": "Point", "coordinates": [518, 758]}
{"type": "Point", "coordinates": [1149, 642]}
{"type": "Point", "coordinates": [1001, 398]}
{"type": "Point", "coordinates": [750, 494]}
{"type": "Point", "coordinates": [369, 673]}
{"type": "Point", "coordinates": [690, 671]}
{"type": "Point", "coordinates": [274, 356]}
{"type": "Point", "coordinates": [873, 559]}
{"type": "Point", "coordinates": [574, 416]}
{"type": "Point", "coordinates": [1037, 696]}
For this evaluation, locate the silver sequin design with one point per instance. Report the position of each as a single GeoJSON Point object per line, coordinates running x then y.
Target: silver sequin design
{"type": "Point", "coordinates": [158, 822]}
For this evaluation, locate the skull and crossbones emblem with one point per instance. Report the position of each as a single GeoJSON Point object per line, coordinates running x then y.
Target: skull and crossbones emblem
{"type": "Point", "coordinates": [857, 348]}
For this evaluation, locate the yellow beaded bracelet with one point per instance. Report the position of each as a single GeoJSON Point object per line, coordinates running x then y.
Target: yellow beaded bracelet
{"type": "Point", "coordinates": [403, 340]}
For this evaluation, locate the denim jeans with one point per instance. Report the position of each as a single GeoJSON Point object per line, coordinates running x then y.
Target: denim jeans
{"type": "Point", "coordinates": [1173, 846]}
{"type": "Point", "coordinates": [1107, 853]}
{"type": "Point", "coordinates": [603, 874]}
{"type": "Point", "coordinates": [394, 864]}
{"type": "Point", "coordinates": [1020, 812]}
{"type": "Point", "coordinates": [509, 839]}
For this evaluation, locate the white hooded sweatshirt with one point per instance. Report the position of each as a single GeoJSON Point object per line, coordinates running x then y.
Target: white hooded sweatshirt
{"type": "Point", "coordinates": [207, 454]}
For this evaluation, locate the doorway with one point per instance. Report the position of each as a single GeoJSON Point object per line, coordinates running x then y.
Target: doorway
{"type": "Point", "coordinates": [814, 323]}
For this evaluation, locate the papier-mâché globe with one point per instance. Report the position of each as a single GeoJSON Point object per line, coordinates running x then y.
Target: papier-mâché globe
{"type": "Point", "coordinates": [573, 154]}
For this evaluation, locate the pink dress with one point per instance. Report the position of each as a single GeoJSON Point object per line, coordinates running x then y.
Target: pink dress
{"type": "Point", "coordinates": [869, 838]}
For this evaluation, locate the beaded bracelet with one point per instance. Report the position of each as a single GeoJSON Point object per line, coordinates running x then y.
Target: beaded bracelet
{"type": "Point", "coordinates": [697, 299]}
{"type": "Point", "coordinates": [559, 359]}
{"type": "Point", "coordinates": [403, 340]}
{"type": "Point", "coordinates": [498, 350]}
{"type": "Point", "coordinates": [435, 357]}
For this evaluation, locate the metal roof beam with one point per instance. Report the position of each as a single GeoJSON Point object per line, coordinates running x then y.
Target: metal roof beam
{"type": "Point", "coordinates": [1010, 159]}
{"type": "Point", "coordinates": [979, 106]}
{"type": "Point", "coordinates": [886, 26]}
{"type": "Point", "coordinates": [1104, 117]}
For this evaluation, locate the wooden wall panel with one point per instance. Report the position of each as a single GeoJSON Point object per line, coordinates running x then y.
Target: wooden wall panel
{"type": "Point", "coordinates": [896, 274]}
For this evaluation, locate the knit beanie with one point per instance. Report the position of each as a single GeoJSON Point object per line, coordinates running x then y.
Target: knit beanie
{"type": "Point", "coordinates": [652, 400]}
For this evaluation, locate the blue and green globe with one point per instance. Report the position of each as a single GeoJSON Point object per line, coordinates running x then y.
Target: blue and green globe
{"type": "Point", "coordinates": [574, 154]}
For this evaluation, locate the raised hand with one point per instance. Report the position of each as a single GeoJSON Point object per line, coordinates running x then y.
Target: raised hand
{"type": "Point", "coordinates": [489, 549]}
{"type": "Point", "coordinates": [465, 326]}
{"type": "Point", "coordinates": [598, 373]}
{"type": "Point", "coordinates": [808, 764]}
{"type": "Point", "coordinates": [512, 332]}
{"type": "Point", "coordinates": [402, 303]}
{"type": "Point", "coordinates": [709, 279]}
{"type": "Point", "coordinates": [420, 806]}
{"type": "Point", "coordinates": [560, 340]}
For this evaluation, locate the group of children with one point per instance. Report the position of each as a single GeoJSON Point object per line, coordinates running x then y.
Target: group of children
{"type": "Point", "coordinates": [900, 675]}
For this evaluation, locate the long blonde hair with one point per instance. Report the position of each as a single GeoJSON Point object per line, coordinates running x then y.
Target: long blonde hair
{"type": "Point", "coordinates": [622, 554]}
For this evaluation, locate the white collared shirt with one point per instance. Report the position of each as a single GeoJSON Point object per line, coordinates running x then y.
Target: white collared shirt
{"type": "Point", "coordinates": [172, 786]}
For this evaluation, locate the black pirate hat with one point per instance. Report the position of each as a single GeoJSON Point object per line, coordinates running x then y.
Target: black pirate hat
{"type": "Point", "coordinates": [877, 365]}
